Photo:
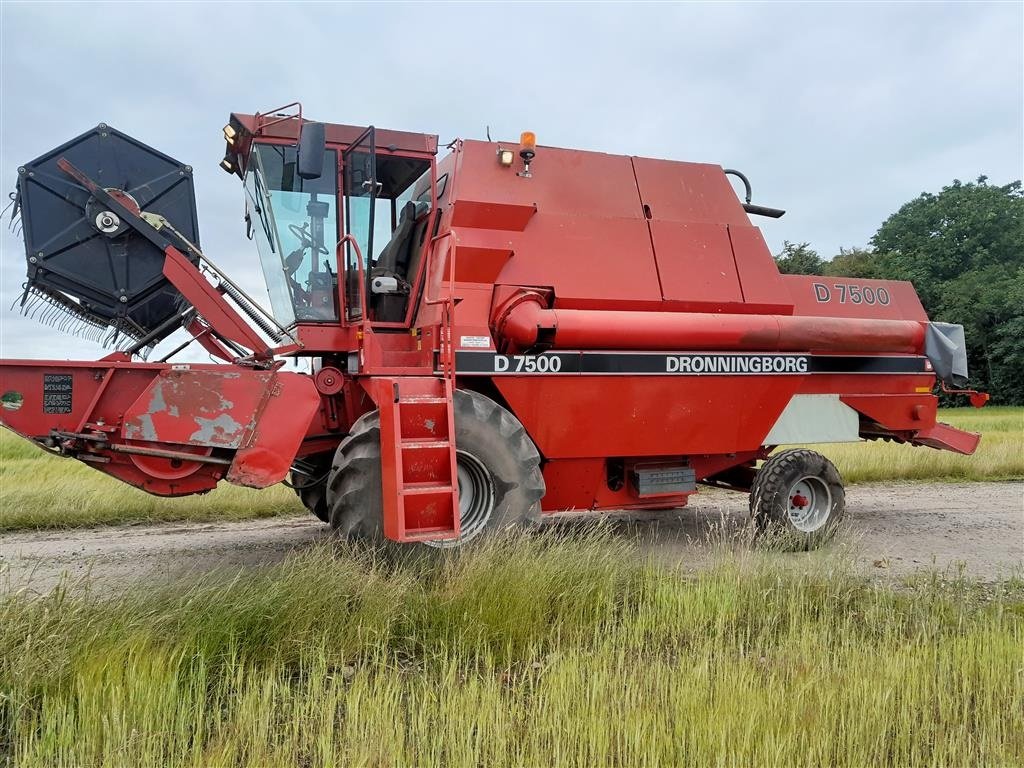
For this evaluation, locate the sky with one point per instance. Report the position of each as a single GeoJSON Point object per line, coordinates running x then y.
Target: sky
{"type": "Point", "coordinates": [838, 113]}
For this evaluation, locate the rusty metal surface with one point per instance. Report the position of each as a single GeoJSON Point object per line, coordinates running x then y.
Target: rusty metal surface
{"type": "Point", "coordinates": [199, 407]}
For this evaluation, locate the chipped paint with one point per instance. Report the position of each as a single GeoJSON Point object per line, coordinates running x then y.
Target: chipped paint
{"type": "Point", "coordinates": [429, 424]}
{"type": "Point", "coordinates": [222, 430]}
{"type": "Point", "coordinates": [143, 427]}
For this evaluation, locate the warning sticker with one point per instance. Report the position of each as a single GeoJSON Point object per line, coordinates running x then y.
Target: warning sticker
{"type": "Point", "coordinates": [480, 342]}
{"type": "Point", "coordinates": [56, 393]}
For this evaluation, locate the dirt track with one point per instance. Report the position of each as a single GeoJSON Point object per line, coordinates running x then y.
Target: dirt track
{"type": "Point", "coordinates": [891, 529]}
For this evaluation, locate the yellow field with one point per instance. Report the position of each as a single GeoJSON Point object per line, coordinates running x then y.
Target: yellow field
{"type": "Point", "coordinates": [42, 491]}
{"type": "Point", "coordinates": [539, 651]}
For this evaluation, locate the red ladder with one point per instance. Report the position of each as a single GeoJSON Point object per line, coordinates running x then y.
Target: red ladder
{"type": "Point", "coordinates": [419, 469]}
{"type": "Point", "coordinates": [419, 478]}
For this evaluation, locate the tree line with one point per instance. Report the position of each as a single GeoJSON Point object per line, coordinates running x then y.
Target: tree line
{"type": "Point", "coordinates": [963, 249]}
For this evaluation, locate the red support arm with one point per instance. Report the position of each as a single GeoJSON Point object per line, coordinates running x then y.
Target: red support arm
{"type": "Point", "coordinates": [213, 307]}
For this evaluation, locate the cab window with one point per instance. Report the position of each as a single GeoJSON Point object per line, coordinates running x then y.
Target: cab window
{"type": "Point", "coordinates": [295, 224]}
{"type": "Point", "coordinates": [388, 202]}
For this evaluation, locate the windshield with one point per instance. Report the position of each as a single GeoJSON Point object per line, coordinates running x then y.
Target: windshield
{"type": "Point", "coordinates": [294, 222]}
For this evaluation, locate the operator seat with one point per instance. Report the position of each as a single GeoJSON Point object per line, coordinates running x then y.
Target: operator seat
{"type": "Point", "coordinates": [394, 261]}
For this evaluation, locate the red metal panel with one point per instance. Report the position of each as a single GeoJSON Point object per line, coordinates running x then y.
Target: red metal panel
{"type": "Point", "coordinates": [876, 384]}
{"type": "Point", "coordinates": [854, 297]}
{"type": "Point", "coordinates": [760, 282]}
{"type": "Point", "coordinates": [896, 412]}
{"type": "Point", "coordinates": [35, 417]}
{"type": "Point", "coordinates": [945, 437]}
{"type": "Point", "coordinates": [199, 407]}
{"type": "Point", "coordinates": [572, 484]}
{"type": "Point", "coordinates": [471, 313]}
{"type": "Point", "coordinates": [581, 484]}
{"type": "Point", "coordinates": [159, 406]}
{"type": "Point", "coordinates": [488, 215]}
{"type": "Point", "coordinates": [564, 181]}
{"type": "Point", "coordinates": [689, 192]}
{"type": "Point", "coordinates": [695, 263]}
{"type": "Point", "coordinates": [646, 416]}
{"type": "Point", "coordinates": [280, 425]}
{"type": "Point", "coordinates": [601, 260]}
{"type": "Point", "coordinates": [480, 264]}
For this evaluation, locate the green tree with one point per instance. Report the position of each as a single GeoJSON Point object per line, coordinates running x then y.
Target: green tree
{"type": "Point", "coordinates": [963, 249]}
{"type": "Point", "coordinates": [853, 262]}
{"type": "Point", "coordinates": [798, 259]}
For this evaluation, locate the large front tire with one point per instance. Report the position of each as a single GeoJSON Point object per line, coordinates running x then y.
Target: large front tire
{"type": "Point", "coordinates": [500, 483]}
{"type": "Point", "coordinates": [797, 498]}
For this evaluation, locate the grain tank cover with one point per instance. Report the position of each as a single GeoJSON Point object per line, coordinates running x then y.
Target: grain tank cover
{"type": "Point", "coordinates": [88, 271]}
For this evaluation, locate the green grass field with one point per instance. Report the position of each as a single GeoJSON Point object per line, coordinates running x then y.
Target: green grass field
{"type": "Point", "coordinates": [999, 457]}
{"type": "Point", "coordinates": [42, 491]}
{"type": "Point", "coordinates": [544, 651]}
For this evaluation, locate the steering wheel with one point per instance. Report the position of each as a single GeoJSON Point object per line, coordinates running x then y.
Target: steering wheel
{"type": "Point", "coordinates": [302, 233]}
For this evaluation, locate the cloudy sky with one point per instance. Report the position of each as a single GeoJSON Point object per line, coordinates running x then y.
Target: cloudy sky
{"type": "Point", "coordinates": [838, 113]}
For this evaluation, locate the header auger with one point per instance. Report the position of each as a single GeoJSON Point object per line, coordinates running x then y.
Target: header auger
{"type": "Point", "coordinates": [508, 332]}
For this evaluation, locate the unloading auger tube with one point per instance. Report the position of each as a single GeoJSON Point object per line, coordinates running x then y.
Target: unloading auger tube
{"type": "Point", "coordinates": [525, 323]}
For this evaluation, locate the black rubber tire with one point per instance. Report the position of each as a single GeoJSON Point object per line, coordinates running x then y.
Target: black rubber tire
{"type": "Point", "coordinates": [313, 497]}
{"type": "Point", "coordinates": [482, 428]}
{"type": "Point", "coordinates": [770, 497]}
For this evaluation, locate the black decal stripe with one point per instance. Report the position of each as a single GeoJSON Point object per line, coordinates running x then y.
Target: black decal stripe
{"type": "Point", "coordinates": [849, 364]}
{"type": "Point", "coordinates": [574, 363]}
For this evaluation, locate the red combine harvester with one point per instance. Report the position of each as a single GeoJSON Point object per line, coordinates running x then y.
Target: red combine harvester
{"type": "Point", "coordinates": [508, 332]}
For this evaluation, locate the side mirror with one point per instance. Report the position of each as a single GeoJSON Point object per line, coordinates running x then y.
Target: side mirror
{"type": "Point", "coordinates": [312, 148]}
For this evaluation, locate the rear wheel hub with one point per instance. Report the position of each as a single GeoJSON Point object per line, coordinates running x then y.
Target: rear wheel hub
{"type": "Point", "coordinates": [809, 503]}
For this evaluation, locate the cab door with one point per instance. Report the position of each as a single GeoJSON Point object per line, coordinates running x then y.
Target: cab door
{"type": "Point", "coordinates": [389, 199]}
{"type": "Point", "coordinates": [360, 193]}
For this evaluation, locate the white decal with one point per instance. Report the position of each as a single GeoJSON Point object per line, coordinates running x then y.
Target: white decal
{"type": "Point", "coordinates": [478, 342]}
{"type": "Point", "coordinates": [710, 364]}
{"type": "Point", "coordinates": [527, 363]}
{"type": "Point", "coordinates": [851, 294]}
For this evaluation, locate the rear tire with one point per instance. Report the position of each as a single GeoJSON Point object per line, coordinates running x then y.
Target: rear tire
{"type": "Point", "coordinates": [798, 497]}
{"type": "Point", "coordinates": [500, 483]}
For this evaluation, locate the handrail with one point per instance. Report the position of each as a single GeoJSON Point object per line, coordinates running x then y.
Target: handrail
{"type": "Point", "coordinates": [447, 341]}
{"type": "Point", "coordinates": [260, 116]}
{"type": "Point", "coordinates": [362, 281]}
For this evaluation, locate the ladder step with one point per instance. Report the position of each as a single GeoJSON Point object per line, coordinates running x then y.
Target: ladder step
{"type": "Point", "coordinates": [422, 489]}
{"type": "Point", "coordinates": [431, 534]}
{"type": "Point", "coordinates": [424, 443]}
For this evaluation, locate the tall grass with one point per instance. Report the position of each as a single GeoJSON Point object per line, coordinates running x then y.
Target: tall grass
{"type": "Point", "coordinates": [543, 651]}
{"type": "Point", "coordinates": [42, 491]}
{"type": "Point", "coordinates": [999, 457]}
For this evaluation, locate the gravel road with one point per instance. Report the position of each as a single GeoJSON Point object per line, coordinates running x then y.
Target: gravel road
{"type": "Point", "coordinates": [891, 530]}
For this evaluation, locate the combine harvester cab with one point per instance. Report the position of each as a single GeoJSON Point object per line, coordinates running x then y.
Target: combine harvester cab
{"type": "Point", "coordinates": [509, 332]}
